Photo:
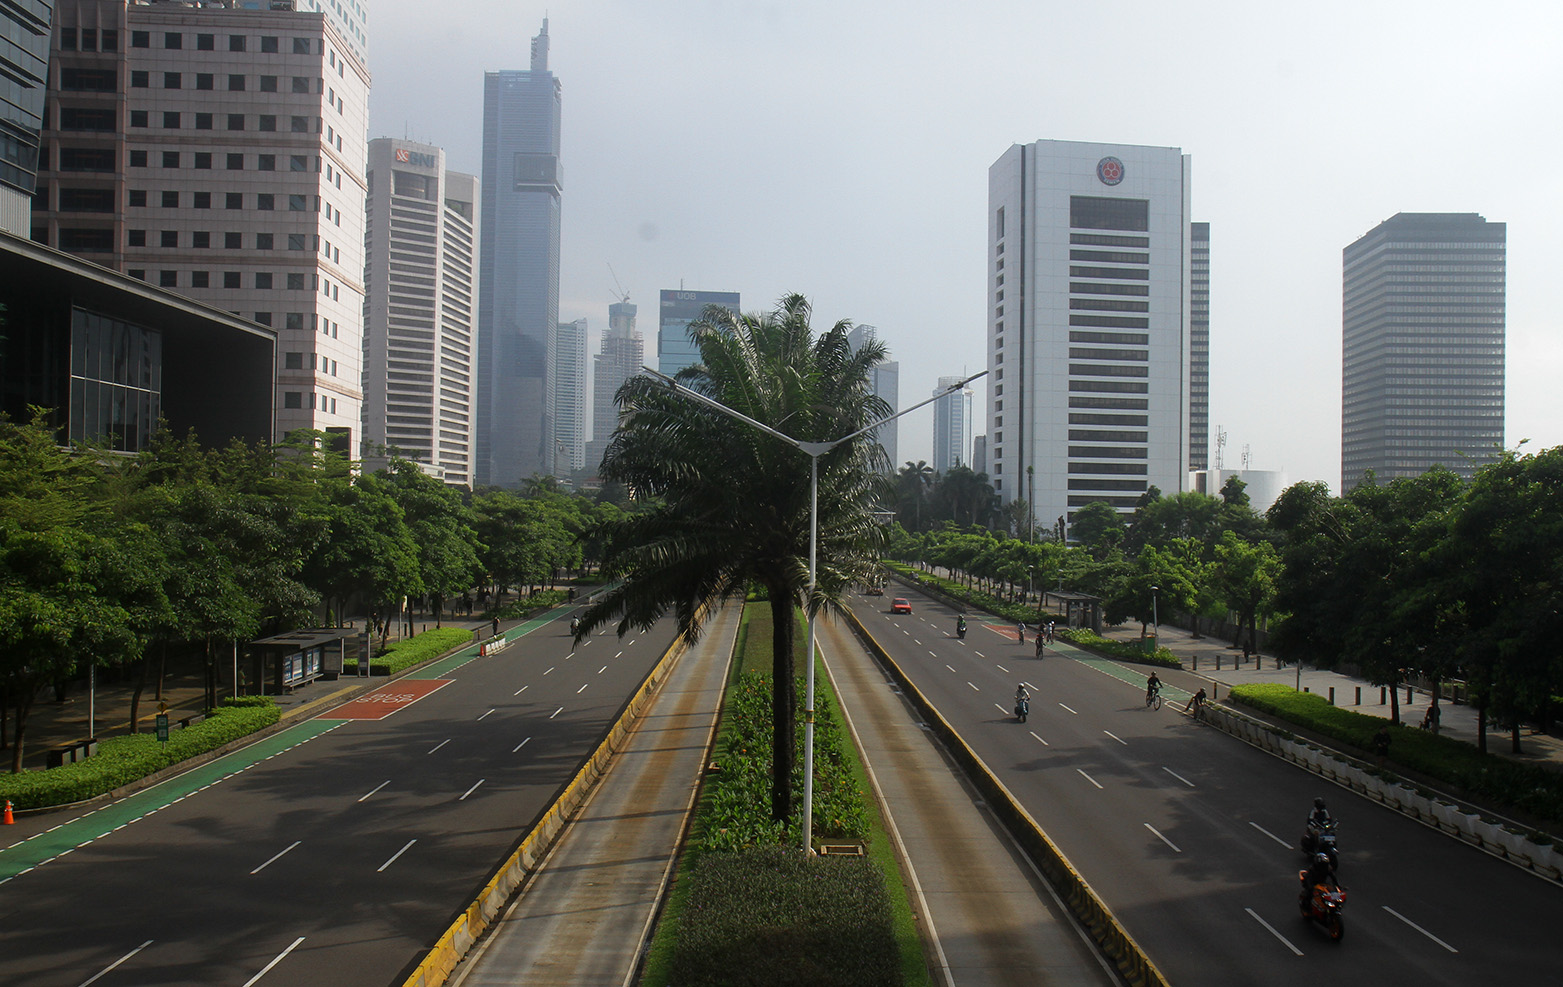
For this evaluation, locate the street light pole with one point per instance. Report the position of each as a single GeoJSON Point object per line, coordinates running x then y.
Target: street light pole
{"type": "Point", "coordinates": [1155, 620]}
{"type": "Point", "coordinates": [814, 450]}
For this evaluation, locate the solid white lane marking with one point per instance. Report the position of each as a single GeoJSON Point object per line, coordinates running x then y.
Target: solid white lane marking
{"type": "Point", "coordinates": [1158, 835]}
{"type": "Point", "coordinates": [437, 746]}
{"type": "Point", "coordinates": [280, 855]}
{"type": "Point", "coordinates": [520, 745]}
{"type": "Point", "coordinates": [556, 712]}
{"type": "Point", "coordinates": [471, 790]}
{"type": "Point", "coordinates": [484, 715]}
{"type": "Point", "coordinates": [521, 690]}
{"type": "Point", "coordinates": [974, 688]}
{"type": "Point", "coordinates": [1002, 669]}
{"type": "Point", "coordinates": [1115, 737]}
{"type": "Point", "coordinates": [1043, 742]}
{"type": "Point", "coordinates": [582, 688]}
{"type": "Point", "coordinates": [1267, 925]}
{"type": "Point", "coordinates": [116, 963]}
{"type": "Point", "coordinates": [394, 856]}
{"type": "Point", "coordinates": [1070, 710]}
{"type": "Point", "coordinates": [1178, 776]}
{"type": "Point", "coordinates": [1420, 929]}
{"type": "Point", "coordinates": [375, 789]}
{"type": "Point", "coordinates": [1271, 835]}
{"type": "Point", "coordinates": [267, 968]}
{"type": "Point", "coordinates": [1089, 778]}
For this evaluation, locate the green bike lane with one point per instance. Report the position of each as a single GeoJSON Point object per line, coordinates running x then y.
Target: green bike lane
{"type": "Point", "coordinates": [1118, 670]}
{"type": "Point", "coordinates": [49, 845]}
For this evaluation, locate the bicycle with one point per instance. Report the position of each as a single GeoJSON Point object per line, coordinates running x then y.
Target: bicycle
{"type": "Point", "coordinates": [1153, 699]}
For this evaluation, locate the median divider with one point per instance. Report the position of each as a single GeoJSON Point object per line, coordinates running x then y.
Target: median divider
{"type": "Point", "coordinates": [1105, 929]}
{"type": "Point", "coordinates": [469, 926]}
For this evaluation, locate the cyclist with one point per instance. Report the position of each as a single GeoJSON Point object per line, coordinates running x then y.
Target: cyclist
{"type": "Point", "coordinates": [1197, 703]}
{"type": "Point", "coordinates": [1020, 632]}
{"type": "Point", "coordinates": [1152, 686]}
{"type": "Point", "coordinates": [1041, 640]}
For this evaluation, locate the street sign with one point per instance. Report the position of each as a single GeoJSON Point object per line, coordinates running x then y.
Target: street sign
{"type": "Point", "coordinates": [162, 727]}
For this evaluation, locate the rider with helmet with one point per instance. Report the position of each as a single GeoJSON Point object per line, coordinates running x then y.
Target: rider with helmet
{"type": "Point", "coordinates": [1320, 817]}
{"type": "Point", "coordinates": [1152, 686]}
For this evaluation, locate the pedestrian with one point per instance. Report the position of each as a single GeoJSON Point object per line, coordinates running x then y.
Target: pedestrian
{"type": "Point", "coordinates": [1430, 718]}
{"type": "Point", "coordinates": [1381, 744]}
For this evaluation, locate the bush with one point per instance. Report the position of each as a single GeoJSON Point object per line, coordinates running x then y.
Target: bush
{"type": "Point", "coordinates": [770, 916]}
{"type": "Point", "coordinates": [122, 760]}
{"type": "Point", "coordinates": [1528, 788]}
{"type": "Point", "coordinates": [533, 604]}
{"type": "Point", "coordinates": [412, 651]}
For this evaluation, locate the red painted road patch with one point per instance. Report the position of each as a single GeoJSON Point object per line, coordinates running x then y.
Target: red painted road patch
{"type": "Point", "coordinates": [382, 702]}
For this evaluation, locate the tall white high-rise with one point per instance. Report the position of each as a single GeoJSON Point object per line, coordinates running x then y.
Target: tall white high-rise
{"type": "Point", "coordinates": [569, 381]}
{"type": "Point", "coordinates": [885, 382]}
{"type": "Point", "coordinates": [1089, 324]}
{"type": "Point", "coordinates": [623, 355]}
{"type": "Point", "coordinates": [420, 310]}
{"type": "Point", "coordinates": [229, 167]}
{"type": "Point", "coordinates": [951, 426]}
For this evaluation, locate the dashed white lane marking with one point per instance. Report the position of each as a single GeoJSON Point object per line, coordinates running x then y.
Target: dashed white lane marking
{"type": "Point", "coordinates": [1179, 777]}
{"type": "Point", "coordinates": [979, 654]}
{"type": "Point", "coordinates": [619, 655]}
{"type": "Point", "coordinates": [1001, 709]}
{"type": "Point", "coordinates": [582, 688]}
{"type": "Point", "coordinates": [602, 669]}
{"type": "Point", "coordinates": [520, 745]}
{"type": "Point", "coordinates": [949, 667]}
{"type": "Point", "coordinates": [111, 966]}
{"type": "Point", "coordinates": [1115, 737]}
{"type": "Point", "coordinates": [280, 855]}
{"type": "Point", "coordinates": [1271, 835]}
{"type": "Point", "coordinates": [1070, 710]}
{"type": "Point", "coordinates": [471, 790]}
{"type": "Point", "coordinates": [521, 690]}
{"type": "Point", "coordinates": [1158, 835]}
{"type": "Point", "coordinates": [1420, 929]}
{"type": "Point", "coordinates": [365, 796]}
{"type": "Point", "coordinates": [395, 855]}
{"type": "Point", "coordinates": [437, 746]}
{"type": "Point", "coordinates": [279, 958]}
{"type": "Point", "coordinates": [974, 688]}
{"type": "Point", "coordinates": [1041, 741]}
{"type": "Point", "coordinates": [556, 712]}
{"type": "Point", "coordinates": [484, 715]}
{"type": "Point", "coordinates": [550, 669]}
{"type": "Point", "coordinates": [1267, 925]}
{"type": "Point", "coordinates": [1089, 778]}
{"type": "Point", "coordinates": [1002, 669]}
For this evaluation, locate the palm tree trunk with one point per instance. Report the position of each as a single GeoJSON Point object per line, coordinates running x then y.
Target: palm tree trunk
{"type": "Point", "coordinates": [783, 700]}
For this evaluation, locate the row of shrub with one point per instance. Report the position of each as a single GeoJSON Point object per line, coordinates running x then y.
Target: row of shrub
{"type": "Point", "coordinates": [122, 760]}
{"type": "Point", "coordinates": [533, 604]}
{"type": "Point", "coordinates": [1479, 777]}
{"type": "Point", "coordinates": [406, 653]}
{"type": "Point", "coordinates": [748, 907]}
{"type": "Point", "coordinates": [1021, 613]}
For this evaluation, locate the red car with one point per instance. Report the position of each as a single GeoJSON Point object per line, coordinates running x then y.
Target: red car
{"type": "Point", "coordinates": [898, 605]}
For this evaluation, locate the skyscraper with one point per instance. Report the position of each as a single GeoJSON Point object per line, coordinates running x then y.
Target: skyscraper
{"type": "Point", "coordinates": [420, 288]}
{"type": "Point", "coordinates": [220, 152]}
{"type": "Point", "coordinates": [678, 310]}
{"type": "Point", "coordinates": [570, 369]}
{"type": "Point", "coordinates": [951, 426]}
{"type": "Point", "coordinates": [24, 64]}
{"type": "Point", "coordinates": [1423, 360]}
{"type": "Point", "coordinates": [622, 356]}
{"type": "Point", "coordinates": [885, 382]}
{"type": "Point", "coordinates": [518, 306]}
{"type": "Point", "coordinates": [1088, 333]}
{"type": "Point", "coordinates": [1199, 347]}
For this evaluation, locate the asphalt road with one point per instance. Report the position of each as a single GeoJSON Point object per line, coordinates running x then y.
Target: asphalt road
{"type": "Point", "coordinates": [1189, 834]}
{"type": "Point", "coordinates": [338, 860]}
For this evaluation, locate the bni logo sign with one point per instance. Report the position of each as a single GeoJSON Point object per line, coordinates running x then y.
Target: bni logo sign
{"type": "Point", "coordinates": [402, 154]}
{"type": "Point", "coordinates": [1109, 171]}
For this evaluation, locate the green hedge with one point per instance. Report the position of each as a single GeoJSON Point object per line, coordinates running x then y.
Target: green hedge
{"type": "Point", "coordinates": [536, 603]}
{"type": "Point", "coordinates": [413, 651]}
{"type": "Point", "coordinates": [1021, 613]}
{"type": "Point", "coordinates": [122, 760]}
{"type": "Point", "coordinates": [770, 916]}
{"type": "Point", "coordinates": [1533, 790]}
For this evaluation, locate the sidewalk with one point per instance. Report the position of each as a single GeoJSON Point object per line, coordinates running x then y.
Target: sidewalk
{"type": "Point", "coordinates": [1217, 661]}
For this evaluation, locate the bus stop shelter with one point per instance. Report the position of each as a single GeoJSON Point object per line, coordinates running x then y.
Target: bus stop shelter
{"type": "Point", "coordinates": [282, 662]}
{"type": "Point", "coordinates": [1079, 609]}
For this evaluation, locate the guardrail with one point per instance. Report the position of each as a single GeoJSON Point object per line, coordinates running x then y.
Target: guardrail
{"type": "Point", "coordinates": [469, 926]}
{"type": "Point", "coordinates": [1105, 929]}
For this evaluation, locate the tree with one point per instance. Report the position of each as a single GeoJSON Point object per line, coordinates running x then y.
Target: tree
{"type": "Point", "coordinates": [965, 497]}
{"type": "Point", "coordinates": [1098, 527]}
{"type": "Point", "coordinates": [442, 529]}
{"type": "Point", "coordinates": [912, 483]}
{"type": "Point", "coordinates": [1245, 577]}
{"type": "Point", "coordinates": [731, 504]}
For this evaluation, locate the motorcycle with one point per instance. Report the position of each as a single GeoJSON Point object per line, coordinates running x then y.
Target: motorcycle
{"type": "Point", "coordinates": [575, 624]}
{"type": "Point", "coordinates": [1321, 839]}
{"type": "Point", "coordinates": [960, 628]}
{"type": "Point", "coordinates": [1022, 709]}
{"type": "Point", "coordinates": [1323, 904]}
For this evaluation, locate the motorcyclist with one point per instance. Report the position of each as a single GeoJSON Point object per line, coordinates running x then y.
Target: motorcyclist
{"type": "Point", "coordinates": [1320, 819]}
{"type": "Point", "coordinates": [1319, 872]}
{"type": "Point", "coordinates": [1022, 694]}
{"type": "Point", "coordinates": [960, 625]}
{"type": "Point", "coordinates": [1152, 686]}
{"type": "Point", "coordinates": [575, 625]}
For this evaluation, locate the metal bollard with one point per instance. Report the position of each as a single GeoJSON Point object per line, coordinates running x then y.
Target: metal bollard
{"type": "Point", "coordinates": [1359, 695]}
{"type": "Point", "coordinates": [1383, 696]}
{"type": "Point", "coordinates": [1332, 695]}
{"type": "Point", "coordinates": [1196, 662]}
{"type": "Point", "coordinates": [1218, 662]}
{"type": "Point", "coordinates": [1408, 695]}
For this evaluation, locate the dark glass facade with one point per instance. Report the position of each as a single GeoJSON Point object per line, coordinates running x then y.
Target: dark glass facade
{"type": "Point", "coordinates": [24, 73]}
{"type": "Point", "coordinates": [1199, 346]}
{"type": "Point", "coordinates": [677, 310]}
{"type": "Point", "coordinates": [1423, 346]}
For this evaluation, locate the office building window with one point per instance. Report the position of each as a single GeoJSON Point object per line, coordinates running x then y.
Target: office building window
{"type": "Point", "coordinates": [298, 162]}
{"type": "Point", "coordinates": [85, 199]}
{"type": "Point", "coordinates": [292, 399]}
{"type": "Point", "coordinates": [265, 201]}
{"type": "Point", "coordinates": [293, 361]}
{"type": "Point", "coordinates": [205, 80]}
{"type": "Point", "coordinates": [268, 83]}
{"type": "Point", "coordinates": [201, 239]}
{"type": "Point", "coordinates": [262, 281]}
{"type": "Point", "coordinates": [140, 79]}
{"type": "Point", "coordinates": [233, 241]}
{"type": "Point", "coordinates": [236, 83]}
{"type": "Point", "coordinates": [138, 118]}
{"type": "Point", "coordinates": [203, 121]}
{"type": "Point", "coordinates": [233, 200]}
{"type": "Point", "coordinates": [203, 200]}
{"type": "Point", "coordinates": [168, 279]}
{"type": "Point", "coordinates": [264, 241]}
{"type": "Point", "coordinates": [138, 159]}
{"type": "Point", "coordinates": [264, 318]}
{"type": "Point", "coordinates": [110, 41]}
{"type": "Point", "coordinates": [294, 320]}
{"type": "Point", "coordinates": [138, 197]}
{"type": "Point", "coordinates": [298, 203]}
{"type": "Point", "coordinates": [268, 122]}
{"type": "Point", "coordinates": [172, 80]}
{"type": "Point", "coordinates": [296, 282]}
{"type": "Point", "coordinates": [135, 238]}
{"type": "Point", "coordinates": [67, 39]}
{"type": "Point", "coordinates": [170, 199]}
{"type": "Point", "coordinates": [231, 279]}
{"type": "Point", "coordinates": [168, 238]}
{"type": "Point", "coordinates": [206, 42]}
{"type": "Point", "coordinates": [200, 279]}
{"type": "Point", "coordinates": [268, 45]}
{"type": "Point", "coordinates": [265, 162]}
{"type": "Point", "coordinates": [296, 241]}
{"type": "Point", "coordinates": [203, 159]}
{"type": "Point", "coordinates": [170, 120]}
{"type": "Point", "coordinates": [140, 39]}
{"type": "Point", "coordinates": [236, 42]}
{"type": "Point", "coordinates": [235, 162]}
{"type": "Point", "coordinates": [300, 125]}
{"type": "Point", "coordinates": [170, 159]}
{"type": "Point", "coordinates": [173, 40]}
{"type": "Point", "coordinates": [301, 46]}
{"type": "Point", "coordinates": [88, 80]}
{"type": "Point", "coordinates": [300, 84]}
{"type": "Point", "coordinates": [236, 121]}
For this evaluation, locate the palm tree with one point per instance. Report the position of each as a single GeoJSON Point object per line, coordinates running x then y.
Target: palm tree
{"type": "Point", "coordinates": [912, 483]}
{"type": "Point", "coordinates": [731, 504]}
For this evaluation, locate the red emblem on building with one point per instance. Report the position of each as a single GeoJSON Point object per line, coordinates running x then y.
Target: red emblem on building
{"type": "Point", "coordinates": [1109, 171]}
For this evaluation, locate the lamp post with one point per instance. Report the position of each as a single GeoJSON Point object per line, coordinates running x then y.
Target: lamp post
{"type": "Point", "coordinates": [814, 450]}
{"type": "Point", "coordinates": [1155, 620]}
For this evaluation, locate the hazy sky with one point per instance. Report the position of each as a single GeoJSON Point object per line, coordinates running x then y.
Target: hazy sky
{"type": "Point", "coordinates": [841, 149]}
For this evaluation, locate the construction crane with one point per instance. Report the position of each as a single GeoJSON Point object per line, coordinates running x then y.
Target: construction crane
{"type": "Point", "coordinates": [620, 294]}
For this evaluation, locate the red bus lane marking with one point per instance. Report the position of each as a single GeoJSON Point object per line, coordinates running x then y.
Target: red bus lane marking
{"type": "Point", "coordinates": [384, 701]}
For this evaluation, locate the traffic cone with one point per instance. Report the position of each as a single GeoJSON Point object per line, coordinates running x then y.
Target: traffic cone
{"type": "Point", "coordinates": [10, 818]}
